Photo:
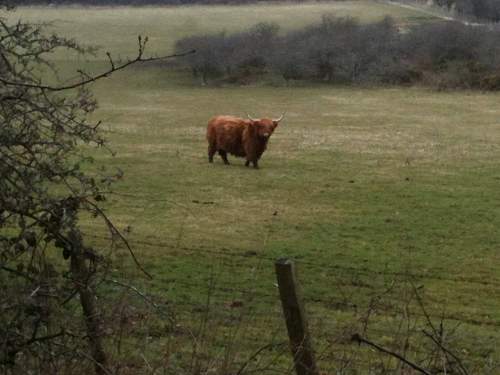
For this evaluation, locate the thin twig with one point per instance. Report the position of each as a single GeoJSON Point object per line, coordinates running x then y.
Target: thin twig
{"type": "Point", "coordinates": [19, 273]}
{"type": "Point", "coordinates": [133, 288]}
{"type": "Point", "coordinates": [360, 340]}
{"type": "Point", "coordinates": [114, 230]}
{"type": "Point", "coordinates": [43, 338]}
{"type": "Point", "coordinates": [254, 355]}
{"type": "Point", "coordinates": [447, 351]}
{"type": "Point", "coordinates": [139, 58]}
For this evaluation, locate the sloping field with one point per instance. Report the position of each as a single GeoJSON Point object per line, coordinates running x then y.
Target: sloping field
{"type": "Point", "coordinates": [380, 195]}
{"type": "Point", "coordinates": [361, 186]}
{"type": "Point", "coordinates": [115, 29]}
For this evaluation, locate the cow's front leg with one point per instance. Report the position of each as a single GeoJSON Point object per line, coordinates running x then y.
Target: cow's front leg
{"type": "Point", "coordinates": [255, 164]}
{"type": "Point", "coordinates": [247, 163]}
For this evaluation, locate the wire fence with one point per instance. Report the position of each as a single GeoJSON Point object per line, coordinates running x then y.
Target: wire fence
{"type": "Point", "coordinates": [339, 279]}
{"type": "Point", "coordinates": [235, 292]}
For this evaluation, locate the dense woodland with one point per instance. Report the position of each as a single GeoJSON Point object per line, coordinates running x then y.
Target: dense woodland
{"type": "Point", "coordinates": [342, 50]}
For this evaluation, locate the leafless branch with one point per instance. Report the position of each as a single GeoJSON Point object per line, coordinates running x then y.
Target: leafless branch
{"type": "Point", "coordinates": [114, 231]}
{"type": "Point", "coordinates": [134, 289]}
{"type": "Point", "coordinates": [19, 273]}
{"type": "Point", "coordinates": [89, 79]}
{"type": "Point", "coordinates": [43, 338]}
{"type": "Point", "coordinates": [446, 351]}
{"type": "Point", "coordinates": [437, 335]}
{"type": "Point", "coordinates": [360, 340]}
{"type": "Point", "coordinates": [257, 352]}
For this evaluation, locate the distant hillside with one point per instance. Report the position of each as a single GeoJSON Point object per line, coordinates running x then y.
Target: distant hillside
{"type": "Point", "coordinates": [138, 2]}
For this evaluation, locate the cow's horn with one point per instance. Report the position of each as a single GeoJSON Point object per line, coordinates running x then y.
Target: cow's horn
{"type": "Point", "coordinates": [252, 119]}
{"type": "Point", "coordinates": [281, 117]}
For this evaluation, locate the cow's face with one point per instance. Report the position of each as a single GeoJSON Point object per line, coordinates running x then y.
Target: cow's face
{"type": "Point", "coordinates": [265, 127]}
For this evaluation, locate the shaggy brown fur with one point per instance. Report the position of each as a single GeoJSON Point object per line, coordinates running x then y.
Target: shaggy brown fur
{"type": "Point", "coordinates": [239, 137]}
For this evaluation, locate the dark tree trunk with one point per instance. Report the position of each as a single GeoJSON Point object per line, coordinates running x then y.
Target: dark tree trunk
{"type": "Point", "coordinates": [81, 278]}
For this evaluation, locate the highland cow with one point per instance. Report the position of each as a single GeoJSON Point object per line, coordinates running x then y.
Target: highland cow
{"type": "Point", "coordinates": [239, 137]}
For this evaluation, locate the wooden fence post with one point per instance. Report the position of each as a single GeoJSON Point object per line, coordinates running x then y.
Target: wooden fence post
{"type": "Point", "coordinates": [296, 323]}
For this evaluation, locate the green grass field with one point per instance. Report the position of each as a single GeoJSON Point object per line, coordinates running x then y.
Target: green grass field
{"type": "Point", "coordinates": [361, 186]}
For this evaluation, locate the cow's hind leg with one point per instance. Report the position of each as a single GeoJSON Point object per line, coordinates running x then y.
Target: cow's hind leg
{"type": "Point", "coordinates": [247, 163]}
{"type": "Point", "coordinates": [255, 164]}
{"type": "Point", "coordinates": [211, 152]}
{"type": "Point", "coordinates": [223, 155]}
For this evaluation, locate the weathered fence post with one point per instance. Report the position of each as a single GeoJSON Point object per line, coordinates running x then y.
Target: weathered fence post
{"type": "Point", "coordinates": [296, 323]}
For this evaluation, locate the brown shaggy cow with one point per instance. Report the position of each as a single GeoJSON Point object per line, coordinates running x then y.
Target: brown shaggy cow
{"type": "Point", "coordinates": [239, 137]}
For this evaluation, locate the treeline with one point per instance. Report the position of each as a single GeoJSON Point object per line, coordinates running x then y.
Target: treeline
{"type": "Point", "coordinates": [342, 50]}
{"type": "Point", "coordinates": [481, 9]}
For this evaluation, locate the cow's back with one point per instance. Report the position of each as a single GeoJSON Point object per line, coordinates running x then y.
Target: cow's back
{"type": "Point", "coordinates": [226, 132]}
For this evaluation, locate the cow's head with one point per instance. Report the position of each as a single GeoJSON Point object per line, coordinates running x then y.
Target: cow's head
{"type": "Point", "coordinates": [265, 126]}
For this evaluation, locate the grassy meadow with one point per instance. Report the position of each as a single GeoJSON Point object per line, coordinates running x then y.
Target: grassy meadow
{"type": "Point", "coordinates": [361, 186]}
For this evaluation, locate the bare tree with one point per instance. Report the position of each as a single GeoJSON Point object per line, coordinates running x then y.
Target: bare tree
{"type": "Point", "coordinates": [233, 57]}
{"type": "Point", "coordinates": [45, 262]}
